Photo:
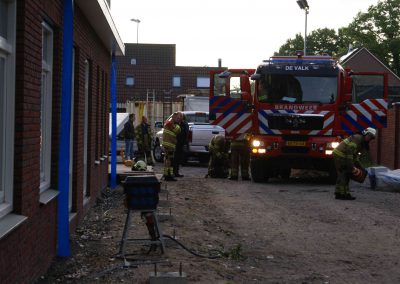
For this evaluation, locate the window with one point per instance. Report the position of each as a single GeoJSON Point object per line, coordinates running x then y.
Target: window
{"type": "Point", "coordinates": [7, 101]}
{"type": "Point", "coordinates": [46, 107]}
{"type": "Point", "coordinates": [219, 86]}
{"type": "Point", "coordinates": [130, 81]}
{"type": "Point", "coordinates": [368, 87]}
{"type": "Point", "coordinates": [133, 61]}
{"type": "Point", "coordinates": [176, 81]}
{"type": "Point", "coordinates": [203, 82]}
{"type": "Point", "coordinates": [283, 88]}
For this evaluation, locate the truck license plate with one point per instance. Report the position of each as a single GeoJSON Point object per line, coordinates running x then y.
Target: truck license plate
{"type": "Point", "coordinates": [296, 143]}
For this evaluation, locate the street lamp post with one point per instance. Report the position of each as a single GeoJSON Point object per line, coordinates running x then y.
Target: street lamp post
{"type": "Point", "coordinates": [304, 6]}
{"type": "Point", "coordinates": [137, 21]}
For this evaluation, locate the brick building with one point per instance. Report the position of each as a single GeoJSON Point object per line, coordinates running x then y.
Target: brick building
{"type": "Point", "coordinates": [148, 67]}
{"type": "Point", "coordinates": [33, 36]}
{"type": "Point", "coordinates": [386, 148]}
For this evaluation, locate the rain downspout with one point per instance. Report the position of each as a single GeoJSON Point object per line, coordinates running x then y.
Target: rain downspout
{"type": "Point", "coordinates": [113, 177]}
{"type": "Point", "coordinates": [63, 246]}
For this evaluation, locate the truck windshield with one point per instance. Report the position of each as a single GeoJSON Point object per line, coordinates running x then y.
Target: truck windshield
{"type": "Point", "coordinates": [277, 88]}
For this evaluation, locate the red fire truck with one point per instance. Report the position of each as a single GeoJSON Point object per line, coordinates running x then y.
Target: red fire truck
{"type": "Point", "coordinates": [297, 110]}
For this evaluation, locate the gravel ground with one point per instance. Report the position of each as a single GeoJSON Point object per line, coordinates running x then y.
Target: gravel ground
{"type": "Point", "coordinates": [284, 231]}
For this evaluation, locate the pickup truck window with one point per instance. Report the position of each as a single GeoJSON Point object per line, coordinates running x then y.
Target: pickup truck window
{"type": "Point", "coordinates": [197, 117]}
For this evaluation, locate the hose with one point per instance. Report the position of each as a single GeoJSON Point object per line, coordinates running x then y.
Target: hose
{"type": "Point", "coordinates": [191, 251]}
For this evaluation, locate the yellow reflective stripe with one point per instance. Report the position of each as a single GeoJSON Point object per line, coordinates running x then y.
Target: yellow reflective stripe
{"type": "Point", "coordinates": [168, 144]}
{"type": "Point", "coordinates": [170, 132]}
{"type": "Point", "coordinates": [176, 129]}
{"type": "Point", "coordinates": [350, 144]}
{"type": "Point", "coordinates": [342, 155]}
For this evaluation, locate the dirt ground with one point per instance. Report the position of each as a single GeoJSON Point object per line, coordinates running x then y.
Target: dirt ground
{"type": "Point", "coordinates": [284, 231]}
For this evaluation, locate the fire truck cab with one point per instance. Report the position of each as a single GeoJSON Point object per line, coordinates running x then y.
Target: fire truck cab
{"type": "Point", "coordinates": [297, 110]}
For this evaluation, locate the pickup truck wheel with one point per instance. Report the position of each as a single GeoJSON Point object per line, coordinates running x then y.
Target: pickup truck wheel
{"type": "Point", "coordinates": [158, 153]}
{"type": "Point", "coordinates": [258, 173]}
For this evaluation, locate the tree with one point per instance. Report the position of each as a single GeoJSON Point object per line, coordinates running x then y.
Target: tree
{"type": "Point", "coordinates": [322, 41]}
{"type": "Point", "coordinates": [319, 41]}
{"type": "Point", "coordinates": [379, 31]}
{"type": "Point", "coordinates": [291, 46]}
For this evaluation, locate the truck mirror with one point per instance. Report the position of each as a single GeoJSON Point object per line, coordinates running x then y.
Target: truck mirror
{"type": "Point", "coordinates": [224, 74]}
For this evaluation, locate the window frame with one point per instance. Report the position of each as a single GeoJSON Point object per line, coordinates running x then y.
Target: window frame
{"type": "Point", "coordinates": [176, 84]}
{"type": "Point", "coordinates": [203, 82]}
{"type": "Point", "coordinates": [126, 81]}
{"type": "Point", "coordinates": [7, 112]}
{"type": "Point", "coordinates": [46, 106]}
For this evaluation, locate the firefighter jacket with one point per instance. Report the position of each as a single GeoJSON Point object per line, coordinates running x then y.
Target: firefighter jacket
{"type": "Point", "coordinates": [239, 141]}
{"type": "Point", "coordinates": [349, 148]}
{"type": "Point", "coordinates": [143, 137]}
{"type": "Point", "coordinates": [169, 135]}
{"type": "Point", "coordinates": [218, 147]}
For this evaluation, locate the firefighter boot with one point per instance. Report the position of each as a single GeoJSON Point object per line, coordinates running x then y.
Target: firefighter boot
{"type": "Point", "coordinates": [344, 196]}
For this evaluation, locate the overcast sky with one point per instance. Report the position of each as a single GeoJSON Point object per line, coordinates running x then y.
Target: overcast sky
{"type": "Point", "coordinates": [241, 33]}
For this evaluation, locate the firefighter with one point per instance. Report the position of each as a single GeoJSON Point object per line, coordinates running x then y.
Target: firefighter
{"type": "Point", "coordinates": [218, 166]}
{"type": "Point", "coordinates": [346, 160]}
{"type": "Point", "coordinates": [144, 139]}
{"type": "Point", "coordinates": [240, 157]}
{"type": "Point", "coordinates": [171, 130]}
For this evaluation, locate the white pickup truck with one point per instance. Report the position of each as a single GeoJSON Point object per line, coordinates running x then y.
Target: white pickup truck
{"type": "Point", "coordinates": [200, 134]}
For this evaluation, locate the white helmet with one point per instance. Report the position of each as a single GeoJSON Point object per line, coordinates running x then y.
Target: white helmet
{"type": "Point", "coordinates": [140, 166]}
{"type": "Point", "coordinates": [371, 131]}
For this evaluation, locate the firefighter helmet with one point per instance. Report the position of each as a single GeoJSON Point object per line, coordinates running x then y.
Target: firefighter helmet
{"type": "Point", "coordinates": [140, 166]}
{"type": "Point", "coordinates": [371, 131]}
{"type": "Point", "coordinates": [219, 140]}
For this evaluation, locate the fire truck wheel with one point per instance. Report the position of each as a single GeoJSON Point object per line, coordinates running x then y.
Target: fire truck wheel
{"type": "Point", "coordinates": [258, 173]}
{"type": "Point", "coordinates": [285, 173]}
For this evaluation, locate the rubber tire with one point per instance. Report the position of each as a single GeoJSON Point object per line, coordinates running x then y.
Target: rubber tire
{"type": "Point", "coordinates": [258, 173]}
{"type": "Point", "coordinates": [158, 153]}
{"type": "Point", "coordinates": [285, 173]}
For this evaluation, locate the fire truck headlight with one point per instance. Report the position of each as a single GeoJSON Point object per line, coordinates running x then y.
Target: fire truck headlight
{"type": "Point", "coordinates": [328, 152]}
{"type": "Point", "coordinates": [261, 151]}
{"type": "Point", "coordinates": [257, 143]}
{"type": "Point", "coordinates": [332, 145]}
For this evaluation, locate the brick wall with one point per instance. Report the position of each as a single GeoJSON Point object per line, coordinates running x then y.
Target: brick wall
{"type": "Point", "coordinates": [154, 70]}
{"type": "Point", "coordinates": [27, 252]}
{"type": "Point", "coordinates": [385, 149]}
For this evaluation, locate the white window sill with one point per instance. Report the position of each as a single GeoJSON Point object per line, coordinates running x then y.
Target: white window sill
{"type": "Point", "coordinates": [47, 196]}
{"type": "Point", "coordinates": [9, 223]}
{"type": "Point", "coordinates": [86, 200]}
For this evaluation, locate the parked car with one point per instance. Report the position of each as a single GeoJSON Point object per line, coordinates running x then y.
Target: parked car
{"type": "Point", "coordinates": [200, 134]}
